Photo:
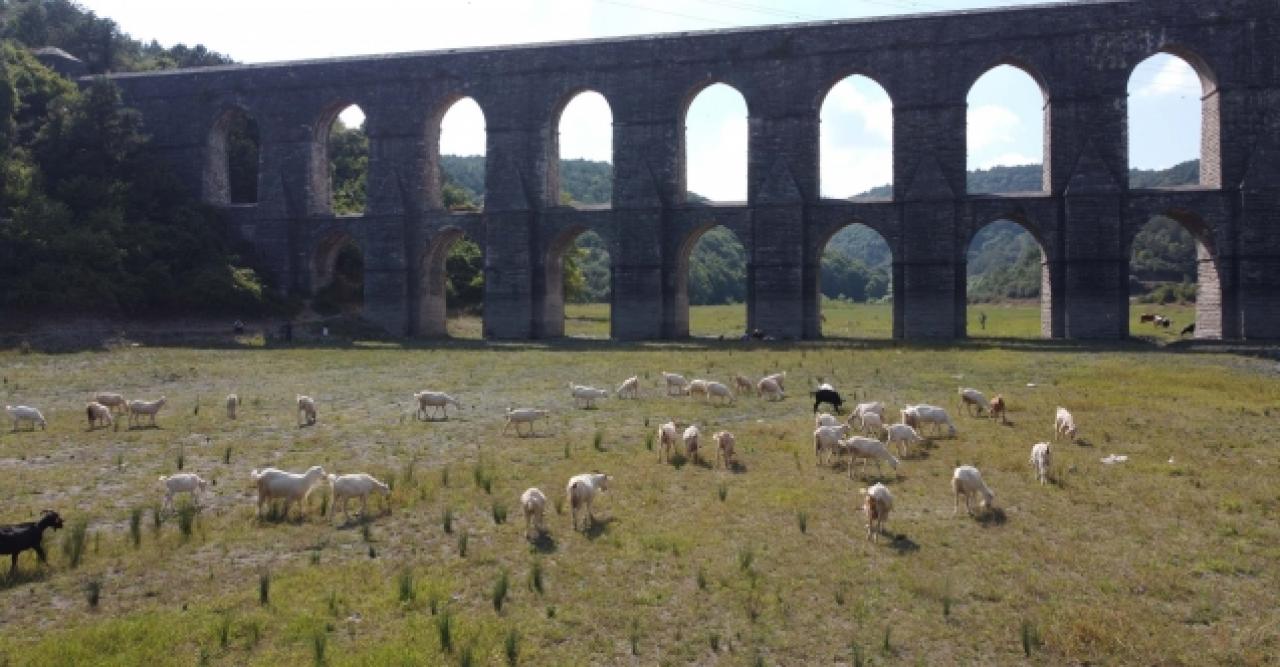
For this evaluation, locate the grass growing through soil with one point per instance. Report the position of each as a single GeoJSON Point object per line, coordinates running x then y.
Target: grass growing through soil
{"type": "Point", "coordinates": [1167, 558]}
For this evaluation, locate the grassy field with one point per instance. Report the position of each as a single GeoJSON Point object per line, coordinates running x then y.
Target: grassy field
{"type": "Point", "coordinates": [1168, 558]}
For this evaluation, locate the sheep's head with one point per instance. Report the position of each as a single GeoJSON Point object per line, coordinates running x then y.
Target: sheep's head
{"type": "Point", "coordinates": [988, 497]}
{"type": "Point", "coordinates": [315, 473]}
{"type": "Point", "coordinates": [202, 483]}
{"type": "Point", "coordinates": [1072, 432]}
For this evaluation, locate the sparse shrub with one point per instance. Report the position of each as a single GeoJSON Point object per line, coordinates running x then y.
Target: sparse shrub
{"type": "Point", "coordinates": [73, 543]}
{"type": "Point", "coordinates": [264, 588]}
{"type": "Point", "coordinates": [648, 439]}
{"type": "Point", "coordinates": [254, 630]}
{"type": "Point", "coordinates": [702, 579]}
{"type": "Point", "coordinates": [93, 592]}
{"type": "Point", "coordinates": [857, 655]}
{"type": "Point", "coordinates": [551, 611]}
{"type": "Point", "coordinates": [1030, 638]}
{"type": "Point", "coordinates": [119, 461]}
{"type": "Point", "coordinates": [406, 592]}
{"type": "Point", "coordinates": [223, 630]}
{"type": "Point", "coordinates": [559, 505]}
{"type": "Point", "coordinates": [447, 520]}
{"type": "Point", "coordinates": [135, 527]}
{"type": "Point", "coordinates": [745, 558]}
{"type": "Point", "coordinates": [462, 544]}
{"type": "Point", "coordinates": [318, 641]}
{"type": "Point", "coordinates": [499, 512]}
{"type": "Point", "coordinates": [597, 441]}
{"type": "Point", "coordinates": [226, 455]}
{"type": "Point", "coordinates": [500, 591]}
{"type": "Point", "coordinates": [315, 556]}
{"type": "Point", "coordinates": [324, 504]}
{"type": "Point", "coordinates": [886, 646]}
{"type": "Point", "coordinates": [511, 646]}
{"type": "Point", "coordinates": [332, 603]}
{"type": "Point", "coordinates": [373, 551]}
{"type": "Point", "coordinates": [444, 628]}
{"type": "Point", "coordinates": [723, 491]}
{"type": "Point", "coordinates": [714, 640]}
{"type": "Point", "coordinates": [634, 637]}
{"type": "Point", "coordinates": [186, 518]}
{"type": "Point", "coordinates": [466, 657]}
{"type": "Point", "coordinates": [802, 520]}
{"type": "Point", "coordinates": [409, 469]}
{"type": "Point", "coordinates": [433, 601]}
{"type": "Point", "coordinates": [535, 577]}
{"type": "Point", "coordinates": [840, 595]}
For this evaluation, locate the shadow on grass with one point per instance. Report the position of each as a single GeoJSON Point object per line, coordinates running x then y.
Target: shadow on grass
{"type": "Point", "coordinates": [598, 527]}
{"type": "Point", "coordinates": [737, 468]}
{"type": "Point", "coordinates": [361, 519]}
{"type": "Point", "coordinates": [544, 543]}
{"type": "Point", "coordinates": [992, 517]}
{"type": "Point", "coordinates": [903, 544]}
{"type": "Point", "coordinates": [19, 577]}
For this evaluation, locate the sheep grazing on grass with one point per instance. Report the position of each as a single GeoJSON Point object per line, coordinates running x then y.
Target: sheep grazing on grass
{"type": "Point", "coordinates": [582, 490]}
{"type": "Point", "coordinates": [1041, 459]}
{"type": "Point", "coordinates": [825, 419]}
{"type": "Point", "coordinates": [966, 481]}
{"type": "Point", "coordinates": [859, 447]}
{"type": "Point", "coordinates": [520, 416]}
{"type": "Point", "coordinates": [743, 384]}
{"type": "Point", "coordinates": [437, 401]}
{"type": "Point", "coordinates": [233, 404]}
{"type": "Point", "coordinates": [584, 396]}
{"type": "Point", "coordinates": [904, 435]}
{"type": "Point", "coordinates": [98, 415]}
{"type": "Point", "coordinates": [17, 538]}
{"type": "Point", "coordinates": [691, 435]}
{"type": "Point", "coordinates": [871, 423]}
{"type": "Point", "coordinates": [825, 439]}
{"type": "Point", "coordinates": [915, 415]}
{"type": "Point", "coordinates": [725, 445]}
{"type": "Point", "coordinates": [140, 409]}
{"type": "Point", "coordinates": [357, 485]}
{"type": "Point", "coordinates": [112, 400]}
{"type": "Point", "coordinates": [878, 501]}
{"type": "Point", "coordinates": [25, 413]}
{"type": "Point", "coordinates": [183, 482]}
{"type": "Point", "coordinates": [769, 388]}
{"type": "Point", "coordinates": [697, 387]}
{"type": "Point", "coordinates": [292, 487]}
{"type": "Point", "coordinates": [862, 409]}
{"type": "Point", "coordinates": [974, 402]}
{"type": "Point", "coordinates": [998, 409]}
{"type": "Point", "coordinates": [719, 390]}
{"type": "Point", "coordinates": [1064, 424]}
{"type": "Point", "coordinates": [668, 436]}
{"type": "Point", "coordinates": [676, 384]}
{"type": "Point", "coordinates": [306, 410]}
{"type": "Point", "coordinates": [779, 378]}
{"type": "Point", "coordinates": [825, 394]}
{"type": "Point", "coordinates": [630, 388]}
{"type": "Point", "coordinates": [534, 504]}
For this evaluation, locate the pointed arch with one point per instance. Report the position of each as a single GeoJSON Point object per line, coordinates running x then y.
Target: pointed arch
{"type": "Point", "coordinates": [337, 274]}
{"type": "Point", "coordinates": [1007, 260]}
{"type": "Point", "coordinates": [1174, 118]}
{"type": "Point", "coordinates": [856, 140]}
{"type": "Point", "coordinates": [714, 148]}
{"type": "Point", "coordinates": [583, 123]}
{"type": "Point", "coordinates": [1160, 253]}
{"type": "Point", "coordinates": [719, 258]}
{"type": "Point", "coordinates": [1008, 125]}
{"type": "Point", "coordinates": [437, 288]}
{"type": "Point", "coordinates": [456, 147]}
{"type": "Point", "coordinates": [576, 245]}
{"type": "Point", "coordinates": [232, 158]}
{"type": "Point", "coordinates": [854, 283]}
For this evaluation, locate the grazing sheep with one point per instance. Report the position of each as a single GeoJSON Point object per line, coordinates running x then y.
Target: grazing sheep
{"type": "Point", "coordinates": [914, 415]}
{"type": "Point", "coordinates": [358, 485]}
{"type": "Point", "coordinates": [112, 400]}
{"type": "Point", "coordinates": [293, 487]}
{"type": "Point", "coordinates": [233, 402]}
{"type": "Point", "coordinates": [139, 409]}
{"type": "Point", "coordinates": [859, 447]}
{"type": "Point", "coordinates": [829, 396]}
{"type": "Point", "coordinates": [871, 423]}
{"type": "Point", "coordinates": [719, 390]}
{"type": "Point", "coordinates": [997, 408]}
{"type": "Point", "coordinates": [675, 382]}
{"type": "Point", "coordinates": [770, 388]}
{"type": "Point", "coordinates": [825, 439]}
{"type": "Point", "coordinates": [630, 388]}
{"type": "Point", "coordinates": [1041, 459]}
{"type": "Point", "coordinates": [183, 482]}
{"type": "Point", "coordinates": [582, 490]}
{"type": "Point", "coordinates": [742, 384]}
{"type": "Point", "coordinates": [696, 387]}
{"type": "Point", "coordinates": [438, 401]}
{"type": "Point", "coordinates": [875, 407]}
{"type": "Point", "coordinates": [98, 415]}
{"type": "Point", "coordinates": [306, 410]}
{"type": "Point", "coordinates": [668, 434]}
{"type": "Point", "coordinates": [904, 435]}
{"type": "Point", "coordinates": [725, 444]}
{"type": "Point", "coordinates": [25, 413]}
{"type": "Point", "coordinates": [825, 419]}
{"type": "Point", "coordinates": [584, 396]}
{"type": "Point", "coordinates": [691, 442]}
{"type": "Point", "coordinates": [1064, 424]}
{"type": "Point", "coordinates": [17, 538]}
{"type": "Point", "coordinates": [779, 378]}
{"type": "Point", "coordinates": [966, 481]}
{"type": "Point", "coordinates": [534, 504]}
{"type": "Point", "coordinates": [877, 505]}
{"type": "Point", "coordinates": [974, 402]}
{"type": "Point", "coordinates": [520, 416]}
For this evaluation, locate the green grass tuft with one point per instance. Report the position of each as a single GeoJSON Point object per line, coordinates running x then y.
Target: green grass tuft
{"type": "Point", "coordinates": [264, 588]}
{"type": "Point", "coordinates": [93, 592]}
{"type": "Point", "coordinates": [135, 527]}
{"type": "Point", "coordinates": [73, 542]}
{"type": "Point", "coordinates": [499, 595]}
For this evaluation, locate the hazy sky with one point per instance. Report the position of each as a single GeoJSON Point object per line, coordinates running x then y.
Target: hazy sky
{"type": "Point", "coordinates": [1005, 106]}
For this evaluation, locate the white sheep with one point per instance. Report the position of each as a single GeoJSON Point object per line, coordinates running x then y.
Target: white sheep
{"type": "Point", "coordinates": [293, 487]}
{"type": "Point", "coordinates": [630, 388]}
{"type": "Point", "coordinates": [668, 434]}
{"type": "Point", "coordinates": [915, 415]}
{"type": "Point", "coordinates": [825, 439]}
{"type": "Point", "coordinates": [438, 401]}
{"type": "Point", "coordinates": [306, 410]}
{"type": "Point", "coordinates": [966, 481]}
{"type": "Point", "coordinates": [520, 416]}
{"type": "Point", "coordinates": [139, 409]}
{"type": "Point", "coordinates": [98, 415]}
{"type": "Point", "coordinates": [825, 419]}
{"type": "Point", "coordinates": [972, 398]}
{"type": "Point", "coordinates": [183, 482]}
{"type": "Point", "coordinates": [725, 445]}
{"type": "Point", "coordinates": [233, 402]}
{"type": "Point", "coordinates": [675, 382]}
{"type": "Point", "coordinates": [768, 387]}
{"type": "Point", "coordinates": [26, 413]}
{"type": "Point", "coordinates": [582, 490]}
{"type": "Point", "coordinates": [743, 384]}
{"type": "Point", "coordinates": [779, 378]}
{"type": "Point", "coordinates": [1041, 459]}
{"type": "Point", "coordinates": [112, 400]}
{"type": "Point", "coordinates": [584, 396]}
{"type": "Point", "coordinates": [534, 504]}
{"type": "Point", "coordinates": [904, 435]}
{"type": "Point", "coordinates": [859, 447]}
{"type": "Point", "coordinates": [357, 485]}
{"type": "Point", "coordinates": [877, 505]}
{"type": "Point", "coordinates": [1064, 424]}
{"type": "Point", "coordinates": [691, 442]}
{"type": "Point", "coordinates": [872, 423]}
{"type": "Point", "coordinates": [719, 390]}
{"type": "Point", "coordinates": [875, 407]}
{"type": "Point", "coordinates": [696, 387]}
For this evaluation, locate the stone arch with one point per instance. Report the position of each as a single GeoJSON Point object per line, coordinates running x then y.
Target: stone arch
{"type": "Point", "coordinates": [683, 150]}
{"type": "Point", "coordinates": [320, 184]}
{"type": "Point", "coordinates": [432, 307]}
{"type": "Point", "coordinates": [820, 106]}
{"type": "Point", "coordinates": [552, 298]}
{"type": "Point", "coordinates": [682, 266]}
{"type": "Point", "coordinates": [1046, 140]}
{"type": "Point", "coordinates": [325, 258]}
{"type": "Point", "coordinates": [554, 147]}
{"type": "Point", "coordinates": [1210, 113]}
{"type": "Point", "coordinates": [434, 171]}
{"type": "Point", "coordinates": [1047, 287]}
{"type": "Point", "coordinates": [220, 185]}
{"type": "Point", "coordinates": [818, 251]}
{"type": "Point", "coordinates": [1209, 304]}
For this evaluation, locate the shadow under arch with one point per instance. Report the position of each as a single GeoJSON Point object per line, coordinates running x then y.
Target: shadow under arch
{"type": "Point", "coordinates": [680, 299]}
{"type": "Point", "coordinates": [1209, 302]}
{"type": "Point", "coordinates": [550, 298]}
{"type": "Point", "coordinates": [233, 130]}
{"type": "Point", "coordinates": [432, 313]}
{"type": "Point", "coordinates": [326, 268]}
{"type": "Point", "coordinates": [855, 321]}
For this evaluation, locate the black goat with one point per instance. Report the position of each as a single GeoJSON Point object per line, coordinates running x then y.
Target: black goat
{"type": "Point", "coordinates": [1189, 329]}
{"type": "Point", "coordinates": [18, 537]}
{"type": "Point", "coordinates": [827, 396]}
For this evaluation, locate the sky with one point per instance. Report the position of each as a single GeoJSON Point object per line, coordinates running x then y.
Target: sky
{"type": "Point", "coordinates": [1005, 106]}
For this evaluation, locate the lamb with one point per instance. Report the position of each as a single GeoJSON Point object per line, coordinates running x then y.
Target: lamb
{"type": "Point", "coordinates": [904, 435]}
{"type": "Point", "coordinates": [112, 400]}
{"type": "Point", "coordinates": [668, 433]}
{"type": "Point", "coordinates": [742, 384]}
{"type": "Point", "coordinates": [825, 439]}
{"type": "Point", "coordinates": [630, 388]}
{"type": "Point", "coordinates": [233, 402]}
{"type": "Point", "coordinates": [770, 388]}
{"type": "Point", "coordinates": [725, 444]}
{"type": "Point", "coordinates": [830, 396]}
{"type": "Point", "coordinates": [877, 505]}
{"type": "Point", "coordinates": [861, 409]}
{"type": "Point", "coordinates": [719, 390]}
{"type": "Point", "coordinates": [582, 490]}
{"type": "Point", "coordinates": [1064, 424]}
{"type": "Point", "coordinates": [997, 408]}
{"type": "Point", "coordinates": [534, 504]}
{"type": "Point", "coordinates": [98, 415]}
{"type": "Point", "coordinates": [520, 416]}
{"type": "Point", "coordinates": [293, 487]}
{"type": "Point", "coordinates": [438, 401]}
{"type": "Point", "coordinates": [966, 481]}
{"type": "Point", "coordinates": [139, 409]}
{"type": "Point", "coordinates": [1041, 460]}
{"type": "Point", "coordinates": [25, 413]}
{"type": "Point", "coordinates": [584, 396]}
{"type": "Point", "coordinates": [358, 485]}
{"type": "Point", "coordinates": [859, 447]}
{"type": "Point", "coordinates": [18, 537]}
{"type": "Point", "coordinates": [933, 415]}
{"type": "Point", "coordinates": [691, 442]}
{"type": "Point", "coordinates": [183, 482]}
{"type": "Point", "coordinates": [696, 387]}
{"type": "Point", "coordinates": [972, 398]}
{"type": "Point", "coordinates": [675, 382]}
{"type": "Point", "coordinates": [871, 423]}
{"type": "Point", "coordinates": [306, 410]}
{"type": "Point", "coordinates": [825, 419]}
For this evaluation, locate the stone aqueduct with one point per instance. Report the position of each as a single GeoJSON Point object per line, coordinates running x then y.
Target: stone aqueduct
{"type": "Point", "coordinates": [1081, 54]}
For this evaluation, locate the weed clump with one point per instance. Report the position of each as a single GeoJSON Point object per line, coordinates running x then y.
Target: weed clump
{"type": "Point", "coordinates": [93, 592]}
{"type": "Point", "coordinates": [446, 519]}
{"type": "Point", "coordinates": [186, 519]}
{"type": "Point", "coordinates": [462, 544]}
{"type": "Point", "coordinates": [406, 592]}
{"type": "Point", "coordinates": [499, 595]}
{"type": "Point", "coordinates": [535, 577]}
{"type": "Point", "coordinates": [597, 441]}
{"type": "Point", "coordinates": [499, 513]}
{"type": "Point", "coordinates": [444, 629]}
{"type": "Point", "coordinates": [511, 646]}
{"type": "Point", "coordinates": [264, 588]}
{"type": "Point", "coordinates": [135, 527]}
{"type": "Point", "coordinates": [73, 543]}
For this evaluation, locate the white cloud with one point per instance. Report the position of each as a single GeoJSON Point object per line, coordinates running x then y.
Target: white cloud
{"type": "Point", "coordinates": [991, 126]}
{"type": "Point", "coordinates": [1173, 76]}
{"type": "Point", "coordinates": [874, 112]}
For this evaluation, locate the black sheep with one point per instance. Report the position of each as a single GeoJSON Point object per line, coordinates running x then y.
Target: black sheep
{"type": "Point", "coordinates": [827, 396]}
{"type": "Point", "coordinates": [1189, 329]}
{"type": "Point", "coordinates": [17, 538]}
